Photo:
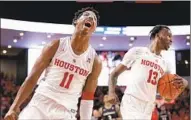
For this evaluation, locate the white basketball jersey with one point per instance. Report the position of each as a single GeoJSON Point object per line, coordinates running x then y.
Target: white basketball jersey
{"type": "Point", "coordinates": [146, 69]}
{"type": "Point", "coordinates": [66, 75]}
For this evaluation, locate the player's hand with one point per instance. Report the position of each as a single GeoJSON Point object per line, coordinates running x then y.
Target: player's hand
{"type": "Point", "coordinates": [112, 98]}
{"type": "Point", "coordinates": [179, 82]}
{"type": "Point", "coordinates": [11, 115]}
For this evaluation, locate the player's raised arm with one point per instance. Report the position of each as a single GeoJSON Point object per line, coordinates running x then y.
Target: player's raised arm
{"type": "Point", "coordinates": [86, 105]}
{"type": "Point", "coordinates": [30, 82]}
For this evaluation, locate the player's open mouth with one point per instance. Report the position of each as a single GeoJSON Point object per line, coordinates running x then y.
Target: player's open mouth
{"type": "Point", "coordinates": [88, 24]}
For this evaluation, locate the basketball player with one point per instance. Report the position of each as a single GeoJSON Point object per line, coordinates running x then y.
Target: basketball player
{"type": "Point", "coordinates": [146, 67]}
{"type": "Point", "coordinates": [108, 111]}
{"type": "Point", "coordinates": [72, 69]}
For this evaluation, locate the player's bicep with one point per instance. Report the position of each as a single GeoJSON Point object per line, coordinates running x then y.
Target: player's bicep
{"type": "Point", "coordinates": [92, 79]}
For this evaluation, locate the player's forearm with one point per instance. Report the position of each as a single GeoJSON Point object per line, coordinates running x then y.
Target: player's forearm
{"type": "Point", "coordinates": [112, 82]}
{"type": "Point", "coordinates": [23, 93]}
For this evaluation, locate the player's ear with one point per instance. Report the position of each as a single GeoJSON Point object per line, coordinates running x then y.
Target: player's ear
{"type": "Point", "coordinates": [158, 36]}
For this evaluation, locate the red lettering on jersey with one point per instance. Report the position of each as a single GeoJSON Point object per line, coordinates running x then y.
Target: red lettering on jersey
{"type": "Point", "coordinates": [152, 65]}
{"type": "Point", "coordinates": [61, 63]}
{"type": "Point", "coordinates": [56, 62]}
{"type": "Point", "coordinates": [77, 68]}
{"type": "Point", "coordinates": [66, 65]}
{"type": "Point", "coordinates": [155, 66]}
{"type": "Point", "coordinates": [81, 71]}
{"type": "Point", "coordinates": [143, 62]}
{"type": "Point", "coordinates": [85, 73]}
{"type": "Point", "coordinates": [147, 63]}
{"type": "Point", "coordinates": [71, 67]}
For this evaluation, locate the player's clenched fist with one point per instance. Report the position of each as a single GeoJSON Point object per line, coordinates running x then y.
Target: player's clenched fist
{"type": "Point", "coordinates": [11, 115]}
{"type": "Point", "coordinates": [112, 98]}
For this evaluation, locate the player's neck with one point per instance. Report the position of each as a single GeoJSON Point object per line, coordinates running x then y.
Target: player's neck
{"type": "Point", "coordinates": [79, 43]}
{"type": "Point", "coordinates": [155, 48]}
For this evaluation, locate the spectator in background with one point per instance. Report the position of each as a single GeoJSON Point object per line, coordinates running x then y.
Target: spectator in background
{"type": "Point", "coordinates": [8, 92]}
{"type": "Point", "coordinates": [175, 116]}
{"type": "Point", "coordinates": [108, 111]}
{"type": "Point", "coordinates": [164, 114]}
{"type": "Point", "coordinates": [187, 115]}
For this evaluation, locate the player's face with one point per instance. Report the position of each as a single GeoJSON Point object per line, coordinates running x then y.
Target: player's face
{"type": "Point", "coordinates": [87, 22]}
{"type": "Point", "coordinates": [165, 38]}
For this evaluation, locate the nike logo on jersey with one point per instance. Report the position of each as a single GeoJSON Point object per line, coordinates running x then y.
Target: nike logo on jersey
{"type": "Point", "coordinates": [88, 60]}
{"type": "Point", "coordinates": [71, 67]}
{"type": "Point", "coordinates": [152, 65]}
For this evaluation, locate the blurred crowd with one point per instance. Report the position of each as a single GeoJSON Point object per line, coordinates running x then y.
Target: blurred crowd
{"type": "Point", "coordinates": [8, 91]}
{"type": "Point", "coordinates": [178, 110]}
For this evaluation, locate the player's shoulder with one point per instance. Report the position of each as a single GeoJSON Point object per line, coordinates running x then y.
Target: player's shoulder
{"type": "Point", "coordinates": [139, 50]}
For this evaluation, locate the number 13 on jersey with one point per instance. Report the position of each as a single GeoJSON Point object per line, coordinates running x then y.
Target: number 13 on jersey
{"type": "Point", "coordinates": [67, 79]}
{"type": "Point", "coordinates": [153, 76]}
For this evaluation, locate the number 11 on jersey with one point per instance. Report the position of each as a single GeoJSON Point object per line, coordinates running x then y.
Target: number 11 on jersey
{"type": "Point", "coordinates": [67, 79]}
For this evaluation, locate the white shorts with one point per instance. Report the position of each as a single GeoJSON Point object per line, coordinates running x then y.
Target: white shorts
{"type": "Point", "coordinates": [135, 109]}
{"type": "Point", "coordinates": [42, 107]}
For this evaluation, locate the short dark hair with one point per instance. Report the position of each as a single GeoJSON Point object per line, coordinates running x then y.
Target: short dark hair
{"type": "Point", "coordinates": [79, 13]}
{"type": "Point", "coordinates": [156, 30]}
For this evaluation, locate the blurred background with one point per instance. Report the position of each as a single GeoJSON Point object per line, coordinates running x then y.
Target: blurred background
{"type": "Point", "coordinates": [27, 26]}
